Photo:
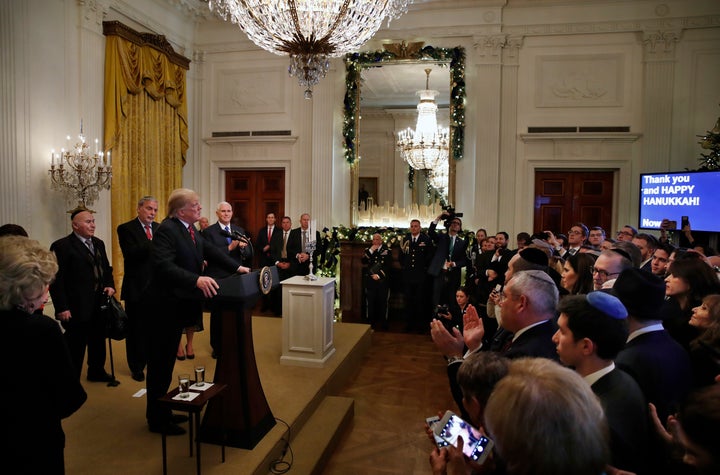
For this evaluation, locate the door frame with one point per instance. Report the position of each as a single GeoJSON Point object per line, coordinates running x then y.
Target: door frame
{"type": "Point", "coordinates": [219, 167]}
{"type": "Point", "coordinates": [622, 204]}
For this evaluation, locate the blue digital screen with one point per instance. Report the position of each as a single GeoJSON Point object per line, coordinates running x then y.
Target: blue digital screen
{"type": "Point", "coordinates": [674, 195]}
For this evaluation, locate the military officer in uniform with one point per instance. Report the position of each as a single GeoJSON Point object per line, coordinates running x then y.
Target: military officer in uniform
{"type": "Point", "coordinates": [414, 258]}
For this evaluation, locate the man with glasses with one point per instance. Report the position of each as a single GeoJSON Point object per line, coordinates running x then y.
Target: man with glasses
{"type": "Point", "coordinates": [627, 233]}
{"type": "Point", "coordinates": [608, 267]}
{"type": "Point", "coordinates": [576, 238]}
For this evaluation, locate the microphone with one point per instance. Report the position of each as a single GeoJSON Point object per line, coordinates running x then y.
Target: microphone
{"type": "Point", "coordinates": [235, 235]}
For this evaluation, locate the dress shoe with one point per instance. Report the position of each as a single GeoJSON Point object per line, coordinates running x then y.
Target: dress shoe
{"type": "Point", "coordinates": [214, 355]}
{"type": "Point", "coordinates": [167, 429]}
{"type": "Point", "coordinates": [99, 377]}
{"type": "Point", "coordinates": [138, 376]}
{"type": "Point", "coordinates": [180, 357]}
{"type": "Point", "coordinates": [189, 356]}
{"type": "Point", "coordinates": [179, 418]}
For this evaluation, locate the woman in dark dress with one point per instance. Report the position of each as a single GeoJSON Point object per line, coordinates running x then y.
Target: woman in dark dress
{"type": "Point", "coordinates": [705, 349]}
{"type": "Point", "coordinates": [48, 388]}
{"type": "Point", "coordinates": [689, 280]}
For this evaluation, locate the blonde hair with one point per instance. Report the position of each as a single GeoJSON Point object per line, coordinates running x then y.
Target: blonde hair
{"type": "Point", "coordinates": [178, 199]}
{"type": "Point", "coordinates": [544, 419]}
{"type": "Point", "coordinates": [26, 268]}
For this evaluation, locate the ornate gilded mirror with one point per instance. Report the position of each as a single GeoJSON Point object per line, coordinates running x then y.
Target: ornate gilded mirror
{"type": "Point", "coordinates": [381, 100]}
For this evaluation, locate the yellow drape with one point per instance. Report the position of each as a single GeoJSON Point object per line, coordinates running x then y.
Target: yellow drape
{"type": "Point", "coordinates": [145, 129]}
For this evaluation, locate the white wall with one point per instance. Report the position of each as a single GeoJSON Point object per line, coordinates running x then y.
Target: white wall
{"type": "Point", "coordinates": [657, 62]}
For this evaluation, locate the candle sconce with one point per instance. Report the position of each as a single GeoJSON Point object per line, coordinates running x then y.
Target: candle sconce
{"type": "Point", "coordinates": [79, 174]}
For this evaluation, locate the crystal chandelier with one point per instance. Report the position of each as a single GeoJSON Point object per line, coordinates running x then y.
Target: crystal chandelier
{"type": "Point", "coordinates": [78, 174]}
{"type": "Point", "coordinates": [426, 147]}
{"type": "Point", "coordinates": [309, 31]}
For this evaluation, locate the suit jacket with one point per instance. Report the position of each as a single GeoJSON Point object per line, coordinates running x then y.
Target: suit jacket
{"type": "Point", "coordinates": [276, 246]}
{"type": "Point", "coordinates": [51, 390]}
{"type": "Point", "coordinates": [442, 251]}
{"type": "Point", "coordinates": [75, 287]}
{"type": "Point", "coordinates": [627, 415]}
{"type": "Point", "coordinates": [501, 265]}
{"type": "Point", "coordinates": [660, 366]}
{"type": "Point", "coordinates": [294, 247]}
{"type": "Point", "coordinates": [535, 342]}
{"type": "Point", "coordinates": [137, 257]}
{"type": "Point", "coordinates": [178, 263]}
{"type": "Point", "coordinates": [214, 235]}
{"type": "Point", "coordinates": [266, 258]}
{"type": "Point", "coordinates": [414, 258]}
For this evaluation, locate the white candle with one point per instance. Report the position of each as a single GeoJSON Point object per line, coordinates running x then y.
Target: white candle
{"type": "Point", "coordinates": [52, 158]}
{"type": "Point", "coordinates": [96, 146]}
{"type": "Point", "coordinates": [108, 159]}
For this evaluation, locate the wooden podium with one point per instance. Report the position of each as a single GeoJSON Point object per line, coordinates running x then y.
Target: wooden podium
{"type": "Point", "coordinates": [242, 417]}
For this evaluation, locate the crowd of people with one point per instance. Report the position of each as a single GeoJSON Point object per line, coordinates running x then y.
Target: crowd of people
{"type": "Point", "coordinates": [598, 355]}
{"type": "Point", "coordinates": [613, 345]}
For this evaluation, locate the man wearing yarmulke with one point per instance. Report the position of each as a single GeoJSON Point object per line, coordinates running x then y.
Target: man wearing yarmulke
{"type": "Point", "coordinates": [592, 330]}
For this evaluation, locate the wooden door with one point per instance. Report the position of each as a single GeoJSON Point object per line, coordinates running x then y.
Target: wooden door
{"type": "Point", "coordinates": [566, 197]}
{"type": "Point", "coordinates": [253, 194]}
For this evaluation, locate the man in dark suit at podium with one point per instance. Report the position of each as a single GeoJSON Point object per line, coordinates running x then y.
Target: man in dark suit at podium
{"type": "Point", "coordinates": [135, 239]}
{"type": "Point", "coordinates": [179, 288]}
{"type": "Point", "coordinates": [229, 238]}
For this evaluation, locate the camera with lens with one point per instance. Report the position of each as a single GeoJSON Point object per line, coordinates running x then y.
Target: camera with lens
{"type": "Point", "coordinates": [451, 215]}
{"type": "Point", "coordinates": [442, 309]}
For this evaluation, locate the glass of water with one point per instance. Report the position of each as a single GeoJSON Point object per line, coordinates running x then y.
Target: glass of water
{"type": "Point", "coordinates": [199, 376]}
{"type": "Point", "coordinates": [184, 385]}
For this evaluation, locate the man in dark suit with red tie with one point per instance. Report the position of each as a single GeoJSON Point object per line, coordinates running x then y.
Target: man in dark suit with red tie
{"type": "Point", "coordinates": [135, 238]}
{"type": "Point", "coordinates": [82, 285]}
{"type": "Point", "coordinates": [179, 287]}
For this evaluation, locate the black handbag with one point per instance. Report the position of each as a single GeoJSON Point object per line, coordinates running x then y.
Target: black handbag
{"type": "Point", "coordinates": [116, 320]}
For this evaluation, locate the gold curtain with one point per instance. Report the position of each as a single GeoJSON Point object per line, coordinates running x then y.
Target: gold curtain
{"type": "Point", "coordinates": [145, 123]}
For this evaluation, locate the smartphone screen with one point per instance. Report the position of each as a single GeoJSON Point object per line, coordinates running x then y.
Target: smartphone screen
{"type": "Point", "coordinates": [439, 441]}
{"type": "Point", "coordinates": [476, 446]}
{"type": "Point", "coordinates": [685, 221]}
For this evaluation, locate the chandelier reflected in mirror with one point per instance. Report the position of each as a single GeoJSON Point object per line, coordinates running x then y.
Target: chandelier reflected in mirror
{"type": "Point", "coordinates": [80, 174]}
{"type": "Point", "coordinates": [427, 147]}
{"type": "Point", "coordinates": [310, 32]}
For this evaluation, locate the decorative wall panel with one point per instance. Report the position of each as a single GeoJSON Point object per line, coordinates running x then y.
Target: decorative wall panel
{"type": "Point", "coordinates": [579, 81]}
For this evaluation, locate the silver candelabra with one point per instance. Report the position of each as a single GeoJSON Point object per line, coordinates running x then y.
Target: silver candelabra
{"type": "Point", "coordinates": [310, 247]}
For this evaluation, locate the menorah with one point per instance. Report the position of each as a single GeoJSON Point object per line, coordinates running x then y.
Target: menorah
{"type": "Point", "coordinates": [79, 174]}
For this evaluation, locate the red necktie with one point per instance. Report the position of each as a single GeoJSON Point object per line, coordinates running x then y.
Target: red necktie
{"type": "Point", "coordinates": [269, 234]}
{"type": "Point", "coordinates": [192, 233]}
{"type": "Point", "coordinates": [147, 232]}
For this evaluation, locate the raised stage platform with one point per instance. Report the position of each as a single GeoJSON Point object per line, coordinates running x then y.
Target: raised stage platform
{"type": "Point", "coordinates": [108, 435]}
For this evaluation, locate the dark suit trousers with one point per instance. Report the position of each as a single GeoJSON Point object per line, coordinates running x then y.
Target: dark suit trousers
{"type": "Point", "coordinates": [139, 314]}
{"type": "Point", "coordinates": [376, 293]}
{"type": "Point", "coordinates": [165, 331]}
{"type": "Point", "coordinates": [89, 334]}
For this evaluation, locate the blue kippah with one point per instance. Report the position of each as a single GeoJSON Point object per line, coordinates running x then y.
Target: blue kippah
{"type": "Point", "coordinates": [607, 304]}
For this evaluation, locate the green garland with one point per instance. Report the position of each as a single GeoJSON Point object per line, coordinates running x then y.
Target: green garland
{"type": "Point", "coordinates": [355, 62]}
{"type": "Point", "coordinates": [329, 247]}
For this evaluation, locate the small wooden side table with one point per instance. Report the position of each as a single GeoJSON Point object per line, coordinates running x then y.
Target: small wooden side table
{"type": "Point", "coordinates": [193, 408]}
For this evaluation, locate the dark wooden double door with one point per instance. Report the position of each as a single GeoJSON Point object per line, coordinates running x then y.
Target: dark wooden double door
{"type": "Point", "coordinates": [253, 194]}
{"type": "Point", "coordinates": [566, 197]}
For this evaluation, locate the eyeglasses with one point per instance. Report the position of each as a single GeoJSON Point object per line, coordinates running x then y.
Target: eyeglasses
{"type": "Point", "coordinates": [573, 231]}
{"type": "Point", "coordinates": [625, 233]}
{"type": "Point", "coordinates": [602, 273]}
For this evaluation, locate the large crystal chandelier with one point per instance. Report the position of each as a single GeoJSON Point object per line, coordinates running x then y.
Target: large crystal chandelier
{"type": "Point", "coordinates": [426, 147]}
{"type": "Point", "coordinates": [309, 31]}
{"type": "Point", "coordinates": [78, 173]}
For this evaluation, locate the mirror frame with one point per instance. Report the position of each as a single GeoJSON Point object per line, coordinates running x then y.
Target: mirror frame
{"type": "Point", "coordinates": [394, 54]}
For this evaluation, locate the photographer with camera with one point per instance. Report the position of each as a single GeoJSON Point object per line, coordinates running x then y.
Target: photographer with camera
{"type": "Point", "coordinates": [449, 259]}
